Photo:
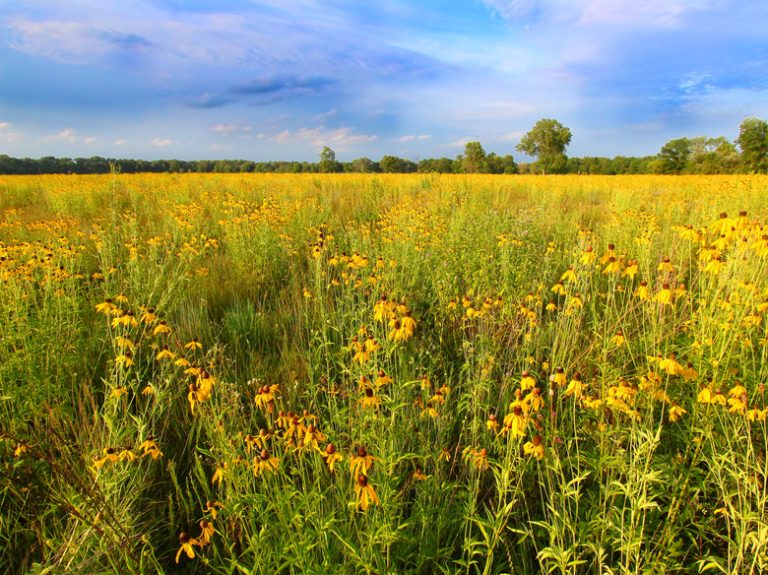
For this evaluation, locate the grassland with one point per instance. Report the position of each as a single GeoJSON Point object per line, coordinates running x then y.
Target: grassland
{"type": "Point", "coordinates": [383, 374]}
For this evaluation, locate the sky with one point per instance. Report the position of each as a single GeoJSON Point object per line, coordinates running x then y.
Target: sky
{"type": "Point", "coordinates": [280, 79]}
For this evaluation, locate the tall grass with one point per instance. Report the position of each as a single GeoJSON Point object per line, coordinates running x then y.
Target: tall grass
{"type": "Point", "coordinates": [383, 374]}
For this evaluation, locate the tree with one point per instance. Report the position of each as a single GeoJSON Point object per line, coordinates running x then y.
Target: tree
{"type": "Point", "coordinates": [673, 158]}
{"type": "Point", "coordinates": [753, 141]}
{"type": "Point", "coordinates": [712, 156]}
{"type": "Point", "coordinates": [473, 160]}
{"type": "Point", "coordinates": [395, 165]}
{"type": "Point", "coordinates": [547, 141]}
{"type": "Point", "coordinates": [328, 163]}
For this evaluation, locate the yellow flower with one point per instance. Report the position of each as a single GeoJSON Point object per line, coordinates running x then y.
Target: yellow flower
{"type": "Point", "coordinates": [642, 292]}
{"type": "Point", "coordinates": [364, 493]}
{"type": "Point", "coordinates": [119, 391]}
{"type": "Point", "coordinates": [106, 307]}
{"type": "Point", "coordinates": [664, 297]}
{"type": "Point", "coordinates": [149, 447]}
{"type": "Point", "coordinates": [527, 381]}
{"type": "Point", "coordinates": [568, 276]}
{"type": "Point", "coordinates": [514, 423]}
{"type": "Point", "coordinates": [187, 546]}
{"type": "Point", "coordinates": [478, 458]}
{"type": "Point", "coordinates": [575, 386]}
{"type": "Point", "coordinates": [265, 462]}
{"type": "Point", "coordinates": [558, 378]}
{"type": "Point", "coordinates": [165, 353]}
{"type": "Point", "coordinates": [705, 395]}
{"type": "Point", "coordinates": [369, 401]}
{"type": "Point", "coordinates": [618, 338]}
{"type": "Point", "coordinates": [193, 344]}
{"type": "Point", "coordinates": [534, 447]}
{"type": "Point", "coordinates": [331, 456]}
{"type": "Point", "coordinates": [360, 462]}
{"type": "Point", "coordinates": [676, 412]}
{"type": "Point", "coordinates": [161, 328]}
{"type": "Point", "coordinates": [206, 532]}
{"type": "Point", "coordinates": [148, 316]}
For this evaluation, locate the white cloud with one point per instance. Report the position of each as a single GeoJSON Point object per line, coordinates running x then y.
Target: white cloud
{"type": "Point", "coordinates": [326, 115]}
{"type": "Point", "coordinates": [161, 141]}
{"type": "Point", "coordinates": [655, 13]}
{"type": "Point", "coordinates": [120, 142]}
{"type": "Point", "coordinates": [89, 139]}
{"type": "Point", "coordinates": [68, 135]}
{"type": "Point", "coordinates": [412, 137]}
{"type": "Point", "coordinates": [5, 125]}
{"type": "Point", "coordinates": [341, 138]}
{"type": "Point", "coordinates": [231, 128]}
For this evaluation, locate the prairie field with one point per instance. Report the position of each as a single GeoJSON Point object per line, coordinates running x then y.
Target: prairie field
{"type": "Point", "coordinates": [383, 374]}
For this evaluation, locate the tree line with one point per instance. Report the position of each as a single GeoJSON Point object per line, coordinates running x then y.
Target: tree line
{"type": "Point", "coordinates": [547, 141]}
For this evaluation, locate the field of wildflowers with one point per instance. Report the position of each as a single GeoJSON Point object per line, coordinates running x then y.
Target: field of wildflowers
{"type": "Point", "coordinates": [383, 374]}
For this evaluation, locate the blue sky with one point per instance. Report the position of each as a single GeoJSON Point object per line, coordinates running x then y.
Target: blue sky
{"type": "Point", "coordinates": [278, 79]}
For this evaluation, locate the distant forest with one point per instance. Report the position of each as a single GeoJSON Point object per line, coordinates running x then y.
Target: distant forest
{"type": "Point", "coordinates": [547, 141]}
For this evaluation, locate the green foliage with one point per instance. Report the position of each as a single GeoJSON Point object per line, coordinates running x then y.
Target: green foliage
{"type": "Point", "coordinates": [753, 141]}
{"type": "Point", "coordinates": [328, 163]}
{"type": "Point", "coordinates": [547, 140]}
{"type": "Point", "coordinates": [674, 156]}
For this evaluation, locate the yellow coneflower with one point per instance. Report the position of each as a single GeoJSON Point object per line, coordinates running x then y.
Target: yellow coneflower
{"type": "Point", "coordinates": [111, 455]}
{"type": "Point", "coordinates": [165, 353]}
{"type": "Point", "coordinates": [148, 316]}
{"type": "Point", "coordinates": [527, 381]}
{"type": "Point", "coordinates": [106, 307]}
{"type": "Point", "coordinates": [150, 448]}
{"type": "Point", "coordinates": [331, 456]}
{"type": "Point", "coordinates": [162, 328]}
{"type": "Point", "coordinates": [206, 532]}
{"type": "Point", "coordinates": [360, 462]}
{"type": "Point", "coordinates": [369, 400]}
{"type": "Point", "coordinates": [125, 359]}
{"type": "Point", "coordinates": [676, 412]}
{"type": "Point", "coordinates": [534, 400]}
{"type": "Point", "coordinates": [312, 436]}
{"type": "Point", "coordinates": [382, 379]}
{"type": "Point", "coordinates": [364, 493]}
{"type": "Point", "coordinates": [265, 462]}
{"type": "Point", "coordinates": [534, 447]}
{"type": "Point", "coordinates": [419, 475]}
{"type": "Point", "coordinates": [514, 423]}
{"type": "Point", "coordinates": [492, 424]}
{"type": "Point", "coordinates": [193, 344]}
{"type": "Point", "coordinates": [664, 297]}
{"type": "Point", "coordinates": [575, 387]}
{"type": "Point", "coordinates": [127, 319]}
{"type": "Point", "coordinates": [478, 458]}
{"type": "Point", "coordinates": [568, 276]}
{"type": "Point", "coordinates": [558, 378]}
{"type": "Point", "coordinates": [618, 338]}
{"type": "Point", "coordinates": [642, 292]}
{"type": "Point", "coordinates": [188, 545]}
{"type": "Point", "coordinates": [213, 507]}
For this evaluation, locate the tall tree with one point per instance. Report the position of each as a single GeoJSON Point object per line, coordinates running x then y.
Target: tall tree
{"type": "Point", "coordinates": [673, 157]}
{"type": "Point", "coordinates": [547, 140]}
{"type": "Point", "coordinates": [328, 163]}
{"type": "Point", "coordinates": [473, 160]}
{"type": "Point", "coordinates": [753, 141]}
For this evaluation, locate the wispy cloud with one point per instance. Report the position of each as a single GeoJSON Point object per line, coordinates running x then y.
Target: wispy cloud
{"type": "Point", "coordinates": [161, 141]}
{"type": "Point", "coordinates": [231, 128]}
{"type": "Point", "coordinates": [300, 74]}
{"type": "Point", "coordinates": [411, 138]}
{"type": "Point", "coordinates": [342, 138]}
